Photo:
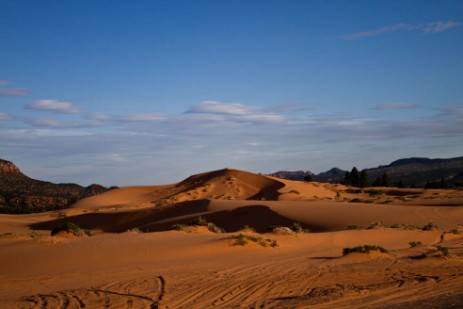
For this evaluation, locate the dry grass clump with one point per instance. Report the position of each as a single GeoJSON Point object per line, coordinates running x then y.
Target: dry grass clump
{"type": "Point", "coordinates": [294, 228]}
{"type": "Point", "coordinates": [200, 221]}
{"type": "Point", "coordinates": [71, 228]}
{"type": "Point", "coordinates": [363, 249]}
{"type": "Point", "coordinates": [415, 243]}
{"type": "Point", "coordinates": [243, 240]}
{"type": "Point", "coordinates": [404, 226]}
{"type": "Point", "coordinates": [431, 226]}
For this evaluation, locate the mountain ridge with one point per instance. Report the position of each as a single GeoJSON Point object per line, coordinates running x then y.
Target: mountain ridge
{"type": "Point", "coordinates": [412, 172]}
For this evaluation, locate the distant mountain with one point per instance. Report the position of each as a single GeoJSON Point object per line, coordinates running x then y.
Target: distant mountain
{"type": "Point", "coordinates": [291, 175]}
{"type": "Point", "coordinates": [412, 172]}
{"type": "Point", "coordinates": [21, 194]}
{"type": "Point", "coordinates": [421, 171]}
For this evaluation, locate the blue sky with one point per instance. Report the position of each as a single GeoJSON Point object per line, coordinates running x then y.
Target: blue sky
{"type": "Point", "coordinates": [150, 92]}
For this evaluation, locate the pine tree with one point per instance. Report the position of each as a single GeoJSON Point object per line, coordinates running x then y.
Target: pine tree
{"type": "Point", "coordinates": [384, 180]}
{"type": "Point", "coordinates": [354, 177]}
{"type": "Point", "coordinates": [363, 180]}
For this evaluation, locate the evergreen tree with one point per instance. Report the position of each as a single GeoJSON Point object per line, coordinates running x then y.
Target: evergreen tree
{"type": "Point", "coordinates": [308, 178]}
{"type": "Point", "coordinates": [354, 177]}
{"type": "Point", "coordinates": [384, 180]}
{"type": "Point", "coordinates": [363, 180]}
{"type": "Point", "coordinates": [347, 179]}
{"type": "Point", "coordinates": [377, 182]}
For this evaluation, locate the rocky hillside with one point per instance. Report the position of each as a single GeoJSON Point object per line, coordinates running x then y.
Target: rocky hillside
{"type": "Point", "coordinates": [21, 194]}
{"type": "Point", "coordinates": [412, 172]}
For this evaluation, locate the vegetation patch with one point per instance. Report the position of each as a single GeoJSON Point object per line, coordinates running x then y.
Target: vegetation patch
{"type": "Point", "coordinates": [441, 250]}
{"type": "Point", "coordinates": [353, 227]}
{"type": "Point", "coordinates": [431, 226]}
{"type": "Point", "coordinates": [378, 224]}
{"type": "Point", "coordinates": [243, 240]}
{"type": "Point", "coordinates": [363, 249]}
{"type": "Point", "coordinates": [295, 228]}
{"type": "Point", "coordinates": [71, 228]}
{"type": "Point", "coordinates": [405, 226]}
{"type": "Point", "coordinates": [415, 243]}
{"type": "Point", "coordinates": [375, 192]}
{"type": "Point", "coordinates": [200, 221]}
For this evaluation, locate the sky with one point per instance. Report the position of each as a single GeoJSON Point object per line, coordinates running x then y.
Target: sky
{"type": "Point", "coordinates": [150, 92]}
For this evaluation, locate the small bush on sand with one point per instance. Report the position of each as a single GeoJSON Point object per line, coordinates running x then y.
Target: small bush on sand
{"type": "Point", "coordinates": [353, 227]}
{"type": "Point", "coordinates": [243, 239]}
{"type": "Point", "coordinates": [376, 225]}
{"type": "Point", "coordinates": [363, 249]}
{"type": "Point", "coordinates": [71, 228]}
{"type": "Point", "coordinates": [455, 231]}
{"type": "Point", "coordinates": [284, 230]}
{"type": "Point", "coordinates": [404, 226]}
{"type": "Point", "coordinates": [375, 192]}
{"type": "Point", "coordinates": [430, 226]}
{"type": "Point", "coordinates": [415, 243]}
{"type": "Point", "coordinates": [200, 221]}
{"type": "Point", "coordinates": [444, 250]}
{"type": "Point", "coordinates": [247, 228]}
{"type": "Point", "coordinates": [178, 227]}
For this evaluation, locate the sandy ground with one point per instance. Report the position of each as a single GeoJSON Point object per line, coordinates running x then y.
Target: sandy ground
{"type": "Point", "coordinates": [133, 260]}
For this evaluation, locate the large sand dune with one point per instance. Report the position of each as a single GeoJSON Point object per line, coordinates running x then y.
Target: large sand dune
{"type": "Point", "coordinates": [135, 260]}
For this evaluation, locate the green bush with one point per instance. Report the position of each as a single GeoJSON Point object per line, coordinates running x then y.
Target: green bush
{"type": "Point", "coordinates": [363, 249]}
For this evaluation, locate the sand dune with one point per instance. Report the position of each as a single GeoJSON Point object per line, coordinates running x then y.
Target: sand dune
{"type": "Point", "coordinates": [135, 260]}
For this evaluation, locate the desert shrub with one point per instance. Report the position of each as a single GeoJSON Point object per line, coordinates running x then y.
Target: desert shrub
{"type": "Point", "coordinates": [353, 227]}
{"type": "Point", "coordinates": [430, 226]}
{"type": "Point", "coordinates": [239, 240]}
{"type": "Point", "coordinates": [376, 225]}
{"type": "Point", "coordinates": [214, 228]}
{"type": "Point", "coordinates": [363, 249]}
{"type": "Point", "coordinates": [243, 239]}
{"type": "Point", "coordinates": [375, 192]}
{"type": "Point", "coordinates": [415, 243]}
{"type": "Point", "coordinates": [178, 227]}
{"type": "Point", "coordinates": [200, 221]}
{"type": "Point", "coordinates": [404, 226]}
{"type": "Point", "coordinates": [135, 230]}
{"type": "Point", "coordinates": [73, 228]}
{"type": "Point", "coordinates": [247, 228]}
{"type": "Point", "coordinates": [444, 250]}
{"type": "Point", "coordinates": [455, 231]}
{"type": "Point", "coordinates": [297, 228]}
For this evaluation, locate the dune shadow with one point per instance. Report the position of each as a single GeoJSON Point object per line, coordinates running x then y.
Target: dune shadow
{"type": "Point", "coordinates": [116, 222]}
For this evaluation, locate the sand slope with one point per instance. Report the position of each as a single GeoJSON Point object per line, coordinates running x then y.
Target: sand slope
{"type": "Point", "coordinates": [122, 267]}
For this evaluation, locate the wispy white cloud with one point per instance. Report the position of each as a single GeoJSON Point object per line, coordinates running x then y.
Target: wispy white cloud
{"type": "Point", "coordinates": [439, 26]}
{"type": "Point", "coordinates": [453, 110]}
{"type": "Point", "coordinates": [142, 117]}
{"type": "Point", "coordinates": [4, 116]}
{"type": "Point", "coordinates": [54, 106]}
{"type": "Point", "coordinates": [236, 112]}
{"type": "Point", "coordinates": [13, 92]}
{"type": "Point", "coordinates": [396, 105]}
{"type": "Point", "coordinates": [434, 27]}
